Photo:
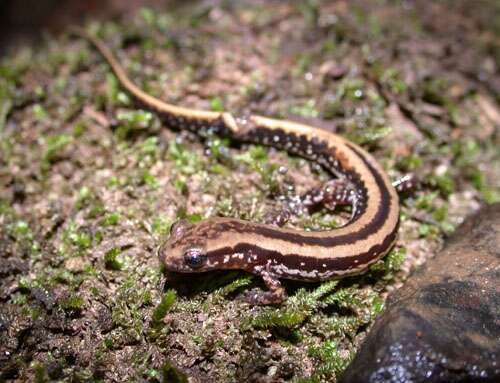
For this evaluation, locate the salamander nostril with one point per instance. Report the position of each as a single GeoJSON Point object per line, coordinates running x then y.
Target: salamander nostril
{"type": "Point", "coordinates": [179, 228]}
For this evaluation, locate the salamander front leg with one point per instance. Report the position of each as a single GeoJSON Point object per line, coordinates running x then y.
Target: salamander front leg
{"type": "Point", "coordinates": [274, 296]}
{"type": "Point", "coordinates": [330, 195]}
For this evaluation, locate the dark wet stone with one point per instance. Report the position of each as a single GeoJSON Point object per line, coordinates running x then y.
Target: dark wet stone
{"type": "Point", "coordinates": [444, 324]}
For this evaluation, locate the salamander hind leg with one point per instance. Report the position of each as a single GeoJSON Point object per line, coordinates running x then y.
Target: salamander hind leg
{"type": "Point", "coordinates": [274, 296]}
{"type": "Point", "coordinates": [407, 184]}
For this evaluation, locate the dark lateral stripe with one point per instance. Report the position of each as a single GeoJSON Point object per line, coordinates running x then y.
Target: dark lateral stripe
{"type": "Point", "coordinates": [295, 261]}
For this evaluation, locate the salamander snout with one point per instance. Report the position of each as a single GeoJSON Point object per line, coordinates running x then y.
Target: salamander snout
{"type": "Point", "coordinates": [184, 251]}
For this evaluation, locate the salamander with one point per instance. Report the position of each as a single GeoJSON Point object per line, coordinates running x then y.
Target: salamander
{"type": "Point", "coordinates": [271, 252]}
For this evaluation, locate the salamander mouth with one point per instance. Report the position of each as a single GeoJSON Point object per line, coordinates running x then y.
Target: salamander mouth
{"type": "Point", "coordinates": [176, 267]}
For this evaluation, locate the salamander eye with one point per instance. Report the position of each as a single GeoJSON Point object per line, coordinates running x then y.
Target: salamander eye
{"type": "Point", "coordinates": [194, 258]}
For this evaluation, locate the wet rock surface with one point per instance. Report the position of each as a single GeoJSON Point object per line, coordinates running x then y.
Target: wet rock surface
{"type": "Point", "coordinates": [444, 324]}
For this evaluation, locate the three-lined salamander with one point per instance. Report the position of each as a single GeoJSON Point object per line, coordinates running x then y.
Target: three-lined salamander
{"type": "Point", "coordinates": [271, 252]}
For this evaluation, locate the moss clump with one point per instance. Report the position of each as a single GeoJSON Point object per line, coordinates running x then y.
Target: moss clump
{"type": "Point", "coordinates": [234, 286]}
{"type": "Point", "coordinates": [187, 162]}
{"type": "Point", "coordinates": [166, 303]}
{"type": "Point", "coordinates": [73, 303]}
{"type": "Point", "coordinates": [112, 260]}
{"type": "Point", "coordinates": [132, 121]}
{"type": "Point", "coordinates": [171, 374]}
{"type": "Point", "coordinates": [161, 226]}
{"type": "Point", "coordinates": [308, 109]}
{"type": "Point", "coordinates": [390, 264]}
{"type": "Point", "coordinates": [329, 359]}
{"type": "Point", "coordinates": [294, 312]}
{"type": "Point", "coordinates": [216, 104]}
{"type": "Point", "coordinates": [110, 219]}
{"type": "Point", "coordinates": [55, 145]}
{"type": "Point", "coordinates": [257, 158]}
{"type": "Point", "coordinates": [74, 239]}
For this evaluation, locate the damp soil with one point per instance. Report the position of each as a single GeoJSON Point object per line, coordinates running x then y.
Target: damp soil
{"type": "Point", "coordinates": [90, 183]}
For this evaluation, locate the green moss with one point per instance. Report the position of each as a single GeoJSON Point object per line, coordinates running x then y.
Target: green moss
{"type": "Point", "coordinates": [132, 120]}
{"type": "Point", "coordinates": [110, 219]}
{"type": "Point", "coordinates": [491, 195]}
{"type": "Point", "coordinates": [150, 180]}
{"type": "Point", "coordinates": [234, 286]}
{"type": "Point", "coordinates": [216, 104]}
{"type": "Point", "coordinates": [256, 157]}
{"type": "Point", "coordinates": [96, 211]}
{"type": "Point", "coordinates": [126, 311]}
{"type": "Point", "coordinates": [148, 15]}
{"type": "Point", "coordinates": [112, 259]}
{"type": "Point", "coordinates": [318, 221]}
{"type": "Point", "coordinates": [63, 276]}
{"type": "Point", "coordinates": [76, 237]}
{"type": "Point", "coordinates": [39, 112]}
{"type": "Point", "coordinates": [108, 343]}
{"type": "Point", "coordinates": [302, 62]}
{"type": "Point", "coordinates": [308, 109]}
{"type": "Point", "coordinates": [390, 77]}
{"type": "Point", "coordinates": [191, 218]}
{"type": "Point", "coordinates": [434, 91]}
{"type": "Point", "coordinates": [181, 186]}
{"type": "Point", "coordinates": [161, 226]}
{"type": "Point", "coordinates": [369, 135]}
{"type": "Point", "coordinates": [390, 264]}
{"type": "Point", "coordinates": [166, 303]}
{"type": "Point", "coordinates": [40, 372]}
{"type": "Point", "coordinates": [79, 129]}
{"type": "Point", "coordinates": [172, 375]}
{"type": "Point", "coordinates": [428, 231]}
{"type": "Point", "coordinates": [310, 10]}
{"type": "Point", "coordinates": [219, 149]}
{"type": "Point", "coordinates": [352, 89]}
{"type": "Point", "coordinates": [395, 259]}
{"type": "Point", "coordinates": [444, 183]}
{"type": "Point", "coordinates": [411, 162]}
{"type": "Point", "coordinates": [19, 299]}
{"type": "Point", "coordinates": [26, 283]}
{"type": "Point", "coordinates": [148, 151]}
{"type": "Point", "coordinates": [426, 201]}
{"type": "Point", "coordinates": [113, 93]}
{"type": "Point", "coordinates": [294, 312]}
{"type": "Point", "coordinates": [119, 181]}
{"type": "Point", "coordinates": [20, 231]}
{"type": "Point", "coordinates": [55, 145]}
{"type": "Point", "coordinates": [330, 361]}
{"type": "Point", "coordinates": [279, 318]}
{"type": "Point", "coordinates": [187, 162]}
{"type": "Point", "coordinates": [84, 196]}
{"type": "Point", "coordinates": [73, 303]}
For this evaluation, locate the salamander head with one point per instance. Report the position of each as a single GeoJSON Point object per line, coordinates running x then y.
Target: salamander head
{"type": "Point", "coordinates": [186, 249]}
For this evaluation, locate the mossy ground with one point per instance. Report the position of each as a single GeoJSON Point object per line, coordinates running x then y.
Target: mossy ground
{"type": "Point", "coordinates": [90, 183]}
